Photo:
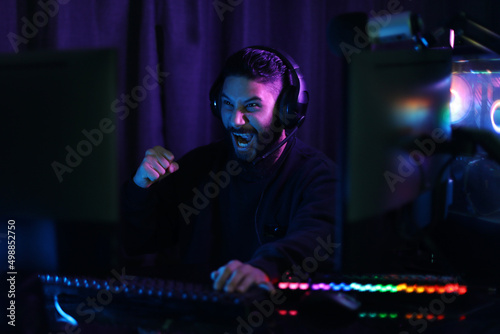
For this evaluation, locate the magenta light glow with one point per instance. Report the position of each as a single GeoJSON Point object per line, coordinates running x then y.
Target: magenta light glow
{"type": "Point", "coordinates": [461, 99]}
{"type": "Point", "coordinates": [494, 109]}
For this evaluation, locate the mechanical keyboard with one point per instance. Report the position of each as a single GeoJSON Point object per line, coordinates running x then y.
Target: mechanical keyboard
{"type": "Point", "coordinates": [151, 302]}
{"type": "Point", "coordinates": [141, 301]}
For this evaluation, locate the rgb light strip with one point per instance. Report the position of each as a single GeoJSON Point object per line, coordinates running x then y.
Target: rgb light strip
{"type": "Point", "coordinates": [393, 315]}
{"type": "Point", "coordinates": [393, 288]}
{"type": "Point", "coordinates": [382, 315]}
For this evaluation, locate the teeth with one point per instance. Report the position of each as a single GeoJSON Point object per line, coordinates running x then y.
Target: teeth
{"type": "Point", "coordinates": [246, 136]}
{"type": "Point", "coordinates": [242, 144]}
{"type": "Point", "coordinates": [245, 139]}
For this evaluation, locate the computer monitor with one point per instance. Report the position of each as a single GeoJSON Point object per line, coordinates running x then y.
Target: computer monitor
{"type": "Point", "coordinates": [59, 177]}
{"type": "Point", "coordinates": [58, 133]}
{"type": "Point", "coordinates": [394, 175]}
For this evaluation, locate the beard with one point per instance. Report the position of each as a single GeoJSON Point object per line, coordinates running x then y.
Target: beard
{"type": "Point", "coordinates": [250, 158]}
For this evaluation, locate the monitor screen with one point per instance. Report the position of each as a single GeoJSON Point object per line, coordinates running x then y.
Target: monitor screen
{"type": "Point", "coordinates": [58, 133]}
{"type": "Point", "coordinates": [393, 172]}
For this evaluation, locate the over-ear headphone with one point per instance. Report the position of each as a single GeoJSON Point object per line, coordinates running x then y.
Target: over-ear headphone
{"type": "Point", "coordinates": [293, 99]}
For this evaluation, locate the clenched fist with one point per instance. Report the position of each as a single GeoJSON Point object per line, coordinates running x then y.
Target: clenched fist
{"type": "Point", "coordinates": [157, 164]}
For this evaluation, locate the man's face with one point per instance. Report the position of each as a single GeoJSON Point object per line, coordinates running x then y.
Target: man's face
{"type": "Point", "coordinates": [248, 112]}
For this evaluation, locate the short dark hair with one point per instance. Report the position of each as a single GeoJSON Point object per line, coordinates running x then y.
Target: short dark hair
{"type": "Point", "coordinates": [260, 65]}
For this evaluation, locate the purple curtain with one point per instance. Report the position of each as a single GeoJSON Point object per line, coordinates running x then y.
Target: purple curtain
{"type": "Point", "coordinates": [187, 41]}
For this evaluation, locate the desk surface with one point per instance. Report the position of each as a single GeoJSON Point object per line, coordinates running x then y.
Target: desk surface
{"type": "Point", "coordinates": [474, 312]}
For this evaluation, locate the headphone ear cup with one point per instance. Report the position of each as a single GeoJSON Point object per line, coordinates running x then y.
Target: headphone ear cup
{"type": "Point", "coordinates": [288, 107]}
{"type": "Point", "coordinates": [214, 96]}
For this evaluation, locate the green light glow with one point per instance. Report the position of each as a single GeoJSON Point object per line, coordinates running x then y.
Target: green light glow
{"type": "Point", "coordinates": [381, 315]}
{"type": "Point", "coordinates": [481, 72]}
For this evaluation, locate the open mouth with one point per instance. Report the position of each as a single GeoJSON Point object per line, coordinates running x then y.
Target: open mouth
{"type": "Point", "coordinates": [242, 140]}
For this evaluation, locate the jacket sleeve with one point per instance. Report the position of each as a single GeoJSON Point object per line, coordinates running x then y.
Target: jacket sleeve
{"type": "Point", "coordinates": [151, 220]}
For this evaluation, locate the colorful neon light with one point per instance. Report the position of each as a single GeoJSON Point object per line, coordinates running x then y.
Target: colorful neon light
{"type": "Point", "coordinates": [493, 110]}
{"type": "Point", "coordinates": [394, 315]}
{"type": "Point", "coordinates": [383, 288]}
{"type": "Point", "coordinates": [67, 318]}
{"type": "Point", "coordinates": [292, 313]}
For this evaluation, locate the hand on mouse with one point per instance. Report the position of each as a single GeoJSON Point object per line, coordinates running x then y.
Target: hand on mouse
{"type": "Point", "coordinates": [238, 276]}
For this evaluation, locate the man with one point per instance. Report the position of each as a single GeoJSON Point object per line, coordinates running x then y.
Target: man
{"type": "Point", "coordinates": [254, 208]}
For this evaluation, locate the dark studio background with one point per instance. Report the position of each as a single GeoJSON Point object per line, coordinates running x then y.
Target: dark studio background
{"type": "Point", "coordinates": [189, 40]}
